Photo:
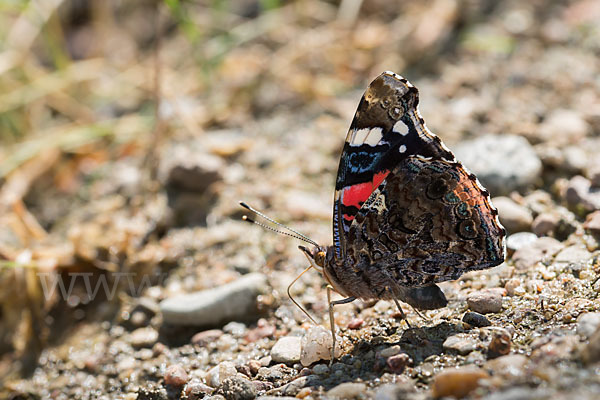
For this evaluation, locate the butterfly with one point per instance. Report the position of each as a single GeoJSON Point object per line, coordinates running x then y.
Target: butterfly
{"type": "Point", "coordinates": [407, 214]}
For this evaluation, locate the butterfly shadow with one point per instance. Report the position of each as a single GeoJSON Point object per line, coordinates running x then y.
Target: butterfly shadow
{"type": "Point", "coordinates": [418, 343]}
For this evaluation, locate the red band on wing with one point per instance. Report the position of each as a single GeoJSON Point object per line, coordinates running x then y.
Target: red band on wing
{"type": "Point", "coordinates": [357, 194]}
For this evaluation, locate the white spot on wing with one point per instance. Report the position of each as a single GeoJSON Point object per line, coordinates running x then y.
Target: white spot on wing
{"type": "Point", "coordinates": [366, 136]}
{"type": "Point", "coordinates": [358, 137]}
{"type": "Point", "coordinates": [402, 149]}
{"type": "Point", "coordinates": [374, 136]}
{"type": "Point", "coordinates": [401, 128]}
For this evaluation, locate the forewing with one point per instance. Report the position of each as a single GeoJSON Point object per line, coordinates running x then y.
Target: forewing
{"type": "Point", "coordinates": [428, 221]}
{"type": "Point", "coordinates": [386, 129]}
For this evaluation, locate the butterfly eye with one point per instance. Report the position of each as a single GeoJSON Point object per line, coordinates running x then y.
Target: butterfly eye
{"type": "Point", "coordinates": [320, 258]}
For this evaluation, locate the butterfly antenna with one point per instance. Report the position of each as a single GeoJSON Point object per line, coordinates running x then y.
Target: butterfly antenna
{"type": "Point", "coordinates": [295, 234]}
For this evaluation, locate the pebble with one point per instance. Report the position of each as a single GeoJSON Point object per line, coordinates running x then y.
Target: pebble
{"type": "Point", "coordinates": [232, 301]}
{"type": "Point", "coordinates": [196, 390]}
{"type": "Point", "coordinates": [590, 353]}
{"type": "Point", "coordinates": [390, 351]}
{"type": "Point", "coordinates": [563, 127]}
{"type": "Point", "coordinates": [287, 350]}
{"type": "Point", "coordinates": [216, 375]}
{"type": "Point", "coordinates": [580, 194]}
{"type": "Point", "coordinates": [316, 346]}
{"type": "Point", "coordinates": [588, 323]}
{"type": "Point", "coordinates": [397, 363]}
{"type": "Point", "coordinates": [475, 319]}
{"type": "Point", "coordinates": [485, 301]}
{"type": "Point", "coordinates": [592, 222]}
{"type": "Point", "coordinates": [356, 323]}
{"type": "Point", "coordinates": [513, 287]}
{"type": "Point", "coordinates": [575, 254]}
{"type": "Point", "coordinates": [460, 343]}
{"type": "Point", "coordinates": [320, 369]}
{"type": "Point", "coordinates": [543, 248]}
{"type": "Point", "coordinates": [144, 337]}
{"type": "Point", "coordinates": [545, 224]}
{"type": "Point", "coordinates": [205, 337]}
{"type": "Point", "coordinates": [176, 376]}
{"type": "Point", "coordinates": [523, 393]}
{"type": "Point", "coordinates": [457, 382]}
{"type": "Point", "coordinates": [520, 240]}
{"type": "Point", "coordinates": [503, 163]}
{"type": "Point", "coordinates": [263, 330]}
{"type": "Point", "coordinates": [347, 390]}
{"type": "Point", "coordinates": [237, 388]}
{"type": "Point", "coordinates": [391, 391]}
{"type": "Point", "coordinates": [500, 343]}
{"type": "Point", "coordinates": [593, 171]}
{"type": "Point", "coordinates": [509, 366]}
{"type": "Point", "coordinates": [514, 217]}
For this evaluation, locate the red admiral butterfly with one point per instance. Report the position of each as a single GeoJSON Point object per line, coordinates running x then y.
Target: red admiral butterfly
{"type": "Point", "coordinates": [406, 213]}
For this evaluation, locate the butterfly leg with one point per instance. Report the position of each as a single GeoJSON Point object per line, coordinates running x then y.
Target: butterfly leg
{"type": "Point", "coordinates": [402, 315]}
{"type": "Point", "coordinates": [331, 320]}
{"type": "Point", "coordinates": [424, 318]}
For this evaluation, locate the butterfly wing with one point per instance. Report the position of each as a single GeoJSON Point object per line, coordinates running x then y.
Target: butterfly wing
{"type": "Point", "coordinates": [428, 221]}
{"type": "Point", "coordinates": [386, 129]}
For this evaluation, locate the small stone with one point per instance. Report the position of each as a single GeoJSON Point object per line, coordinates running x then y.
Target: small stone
{"type": "Point", "coordinates": [205, 337]}
{"type": "Point", "coordinates": [460, 343]}
{"type": "Point", "coordinates": [509, 366]}
{"type": "Point", "coordinates": [147, 305]}
{"type": "Point", "coordinates": [592, 222]}
{"type": "Point", "coordinates": [356, 323]}
{"type": "Point", "coordinates": [514, 217]}
{"type": "Point", "coordinates": [580, 195]}
{"type": "Point", "coordinates": [397, 363]}
{"type": "Point", "coordinates": [485, 301]}
{"type": "Point", "coordinates": [475, 319]}
{"type": "Point", "coordinates": [545, 224]}
{"type": "Point", "coordinates": [500, 343]}
{"type": "Point", "coordinates": [575, 254]}
{"type": "Point", "coordinates": [287, 350]}
{"type": "Point", "coordinates": [519, 240]}
{"type": "Point", "coordinates": [588, 323]}
{"type": "Point", "coordinates": [347, 390]}
{"type": "Point", "coordinates": [593, 171]}
{"type": "Point", "coordinates": [233, 301]}
{"type": "Point", "coordinates": [564, 127]}
{"type": "Point", "coordinates": [176, 376]}
{"type": "Point", "coordinates": [457, 382]}
{"type": "Point", "coordinates": [263, 330]}
{"type": "Point", "coordinates": [503, 163]}
{"type": "Point", "coordinates": [144, 337]}
{"type": "Point", "coordinates": [216, 375]}
{"type": "Point", "coordinates": [590, 353]}
{"type": "Point", "coordinates": [391, 391]}
{"type": "Point", "coordinates": [196, 390]}
{"type": "Point", "coordinates": [390, 351]}
{"type": "Point", "coordinates": [237, 388]}
{"type": "Point", "coordinates": [320, 369]}
{"type": "Point", "coordinates": [511, 285]}
{"type": "Point", "coordinates": [543, 248]}
{"type": "Point", "coordinates": [316, 346]}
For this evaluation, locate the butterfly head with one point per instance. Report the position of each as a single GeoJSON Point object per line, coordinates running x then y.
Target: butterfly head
{"type": "Point", "coordinates": [317, 256]}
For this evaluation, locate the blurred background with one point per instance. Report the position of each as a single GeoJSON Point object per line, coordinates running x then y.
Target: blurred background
{"type": "Point", "coordinates": [129, 131]}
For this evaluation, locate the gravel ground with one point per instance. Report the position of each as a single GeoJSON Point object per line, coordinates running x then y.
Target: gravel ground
{"type": "Point", "coordinates": [215, 322]}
